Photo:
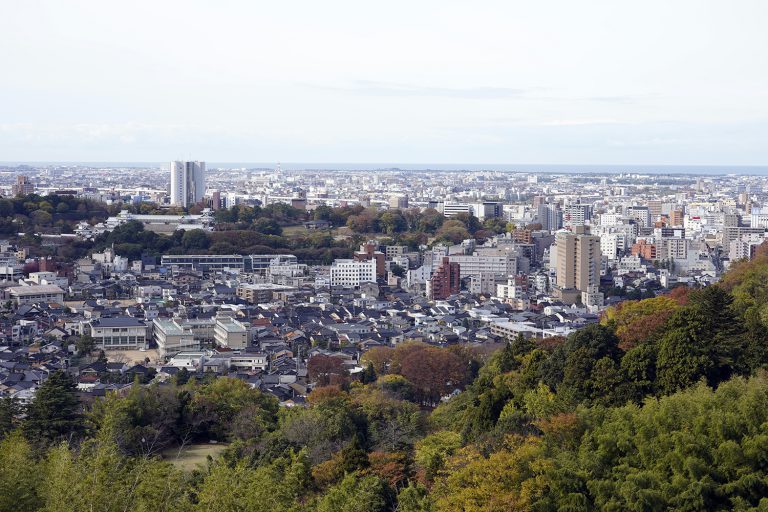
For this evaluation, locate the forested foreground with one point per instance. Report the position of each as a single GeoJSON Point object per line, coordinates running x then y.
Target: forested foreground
{"type": "Point", "coordinates": [663, 406]}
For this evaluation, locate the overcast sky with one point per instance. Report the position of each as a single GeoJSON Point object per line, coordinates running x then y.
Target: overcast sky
{"type": "Point", "coordinates": [625, 82]}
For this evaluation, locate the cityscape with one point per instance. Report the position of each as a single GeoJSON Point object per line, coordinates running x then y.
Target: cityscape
{"type": "Point", "coordinates": [232, 281]}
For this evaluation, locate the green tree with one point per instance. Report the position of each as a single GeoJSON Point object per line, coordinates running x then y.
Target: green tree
{"type": "Point", "coordinates": [368, 375]}
{"type": "Point", "coordinates": [414, 498]}
{"type": "Point", "coordinates": [85, 345]}
{"type": "Point", "coordinates": [355, 494]}
{"type": "Point", "coordinates": [195, 240]}
{"type": "Point", "coordinates": [10, 410]}
{"type": "Point", "coordinates": [54, 413]}
{"type": "Point", "coordinates": [392, 222]}
{"type": "Point", "coordinates": [397, 270]}
{"type": "Point", "coordinates": [19, 479]}
{"type": "Point", "coordinates": [354, 456]}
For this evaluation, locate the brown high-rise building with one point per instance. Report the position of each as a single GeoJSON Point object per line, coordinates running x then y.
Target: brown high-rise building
{"type": "Point", "coordinates": [676, 218]}
{"type": "Point", "coordinates": [654, 208]}
{"type": "Point", "coordinates": [578, 263]}
{"type": "Point", "coordinates": [370, 251]}
{"type": "Point", "coordinates": [23, 186]}
{"type": "Point", "coordinates": [215, 200]}
{"type": "Point", "coordinates": [446, 281]}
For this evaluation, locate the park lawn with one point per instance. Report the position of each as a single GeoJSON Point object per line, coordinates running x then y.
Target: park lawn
{"type": "Point", "coordinates": [194, 456]}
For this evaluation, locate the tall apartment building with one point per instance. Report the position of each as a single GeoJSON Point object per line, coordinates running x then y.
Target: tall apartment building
{"type": "Point", "coordinates": [446, 281]}
{"type": "Point", "coordinates": [578, 264]}
{"type": "Point", "coordinates": [672, 249]}
{"type": "Point", "coordinates": [23, 186]}
{"type": "Point", "coordinates": [576, 214]}
{"type": "Point", "coordinates": [187, 182]}
{"type": "Point", "coordinates": [642, 214]}
{"type": "Point", "coordinates": [550, 217]}
{"type": "Point", "coordinates": [676, 218]}
{"type": "Point", "coordinates": [523, 236]}
{"type": "Point", "coordinates": [655, 208]}
{"type": "Point", "coordinates": [352, 273]}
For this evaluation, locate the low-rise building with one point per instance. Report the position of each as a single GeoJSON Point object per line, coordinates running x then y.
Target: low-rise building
{"type": "Point", "coordinates": [172, 338]}
{"type": "Point", "coordinates": [230, 333]}
{"type": "Point", "coordinates": [37, 293]}
{"type": "Point", "coordinates": [119, 333]}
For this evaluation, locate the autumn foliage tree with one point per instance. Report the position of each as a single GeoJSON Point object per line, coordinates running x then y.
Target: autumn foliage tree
{"type": "Point", "coordinates": [434, 372]}
{"type": "Point", "coordinates": [326, 370]}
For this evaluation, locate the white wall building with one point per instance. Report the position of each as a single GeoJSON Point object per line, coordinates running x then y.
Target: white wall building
{"type": "Point", "coordinates": [491, 265]}
{"type": "Point", "coordinates": [35, 293]}
{"type": "Point", "coordinates": [123, 333]}
{"type": "Point", "coordinates": [187, 182]}
{"type": "Point", "coordinates": [230, 333]}
{"type": "Point", "coordinates": [172, 338]}
{"type": "Point", "coordinates": [351, 273]}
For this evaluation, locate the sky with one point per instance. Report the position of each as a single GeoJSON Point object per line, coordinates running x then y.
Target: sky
{"type": "Point", "coordinates": [418, 81]}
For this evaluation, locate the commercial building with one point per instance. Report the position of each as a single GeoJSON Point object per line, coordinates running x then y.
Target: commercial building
{"type": "Point", "coordinates": [352, 273]}
{"type": "Point", "coordinates": [261, 263]}
{"type": "Point", "coordinates": [758, 218]}
{"type": "Point", "coordinates": [204, 262]}
{"type": "Point", "coordinates": [187, 183]}
{"type": "Point", "coordinates": [475, 264]}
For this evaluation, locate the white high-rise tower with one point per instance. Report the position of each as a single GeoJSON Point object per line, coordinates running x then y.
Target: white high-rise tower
{"type": "Point", "coordinates": [187, 182]}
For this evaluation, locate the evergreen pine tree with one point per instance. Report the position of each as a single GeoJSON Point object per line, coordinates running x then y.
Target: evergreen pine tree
{"type": "Point", "coordinates": [354, 456]}
{"type": "Point", "coordinates": [54, 413]}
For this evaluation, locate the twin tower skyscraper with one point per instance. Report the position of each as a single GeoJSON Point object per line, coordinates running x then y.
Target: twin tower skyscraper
{"type": "Point", "coordinates": [187, 182]}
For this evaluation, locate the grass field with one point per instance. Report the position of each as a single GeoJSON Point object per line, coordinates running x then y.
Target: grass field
{"type": "Point", "coordinates": [194, 456]}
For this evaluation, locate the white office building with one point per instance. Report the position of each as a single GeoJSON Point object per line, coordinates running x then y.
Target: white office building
{"type": "Point", "coordinates": [352, 273]}
{"type": "Point", "coordinates": [187, 182]}
{"type": "Point", "coordinates": [492, 265]}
